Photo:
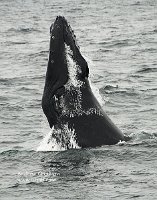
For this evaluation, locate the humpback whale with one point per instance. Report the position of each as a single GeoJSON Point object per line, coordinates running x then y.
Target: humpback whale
{"type": "Point", "coordinates": [68, 102]}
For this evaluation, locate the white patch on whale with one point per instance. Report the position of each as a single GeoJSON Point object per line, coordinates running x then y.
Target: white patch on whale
{"type": "Point", "coordinates": [73, 70]}
{"type": "Point", "coordinates": [73, 85]}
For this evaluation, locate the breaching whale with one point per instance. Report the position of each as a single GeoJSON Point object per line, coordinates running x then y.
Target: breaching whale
{"type": "Point", "coordinates": [68, 101]}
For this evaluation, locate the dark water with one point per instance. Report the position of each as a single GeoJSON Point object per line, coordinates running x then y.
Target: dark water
{"type": "Point", "coordinates": [120, 37]}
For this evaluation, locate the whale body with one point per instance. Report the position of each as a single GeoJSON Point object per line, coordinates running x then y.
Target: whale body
{"type": "Point", "coordinates": [68, 101]}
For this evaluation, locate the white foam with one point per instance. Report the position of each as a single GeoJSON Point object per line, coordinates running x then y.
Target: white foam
{"type": "Point", "coordinates": [121, 143]}
{"type": "Point", "coordinates": [48, 143]}
{"type": "Point", "coordinates": [66, 135]}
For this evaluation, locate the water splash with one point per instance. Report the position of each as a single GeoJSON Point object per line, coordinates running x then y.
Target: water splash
{"type": "Point", "coordinates": [59, 140]}
{"type": "Point", "coordinates": [48, 144]}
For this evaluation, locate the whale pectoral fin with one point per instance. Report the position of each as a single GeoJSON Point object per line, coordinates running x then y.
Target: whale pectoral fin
{"type": "Point", "coordinates": [50, 112]}
{"type": "Point", "coordinates": [52, 106]}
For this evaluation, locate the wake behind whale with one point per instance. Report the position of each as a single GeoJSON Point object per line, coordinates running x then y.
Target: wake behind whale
{"type": "Point", "coordinates": [68, 102]}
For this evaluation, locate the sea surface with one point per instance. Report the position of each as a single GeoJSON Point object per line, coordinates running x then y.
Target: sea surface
{"type": "Point", "coordinates": [119, 38]}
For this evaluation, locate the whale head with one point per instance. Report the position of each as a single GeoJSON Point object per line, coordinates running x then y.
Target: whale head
{"type": "Point", "coordinates": [66, 69]}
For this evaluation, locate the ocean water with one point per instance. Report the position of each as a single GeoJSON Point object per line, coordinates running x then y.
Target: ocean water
{"type": "Point", "coordinates": [119, 38]}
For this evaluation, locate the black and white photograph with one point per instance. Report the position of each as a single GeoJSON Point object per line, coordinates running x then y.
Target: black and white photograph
{"type": "Point", "coordinates": [78, 99]}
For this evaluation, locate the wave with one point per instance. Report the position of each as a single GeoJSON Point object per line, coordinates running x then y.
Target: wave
{"type": "Point", "coordinates": [11, 107]}
{"type": "Point", "coordinates": [152, 32]}
{"type": "Point", "coordinates": [16, 43]}
{"type": "Point", "coordinates": [110, 89]}
{"type": "Point", "coordinates": [147, 70]}
{"type": "Point", "coordinates": [142, 138]}
{"type": "Point", "coordinates": [9, 152]}
{"type": "Point", "coordinates": [41, 53]}
{"type": "Point", "coordinates": [10, 142]}
{"type": "Point", "coordinates": [23, 30]}
{"type": "Point", "coordinates": [143, 135]}
{"type": "Point", "coordinates": [20, 79]}
{"type": "Point", "coordinates": [24, 88]}
{"type": "Point", "coordinates": [8, 81]}
{"type": "Point", "coordinates": [118, 43]}
{"type": "Point", "coordinates": [137, 3]}
{"type": "Point", "coordinates": [12, 152]}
